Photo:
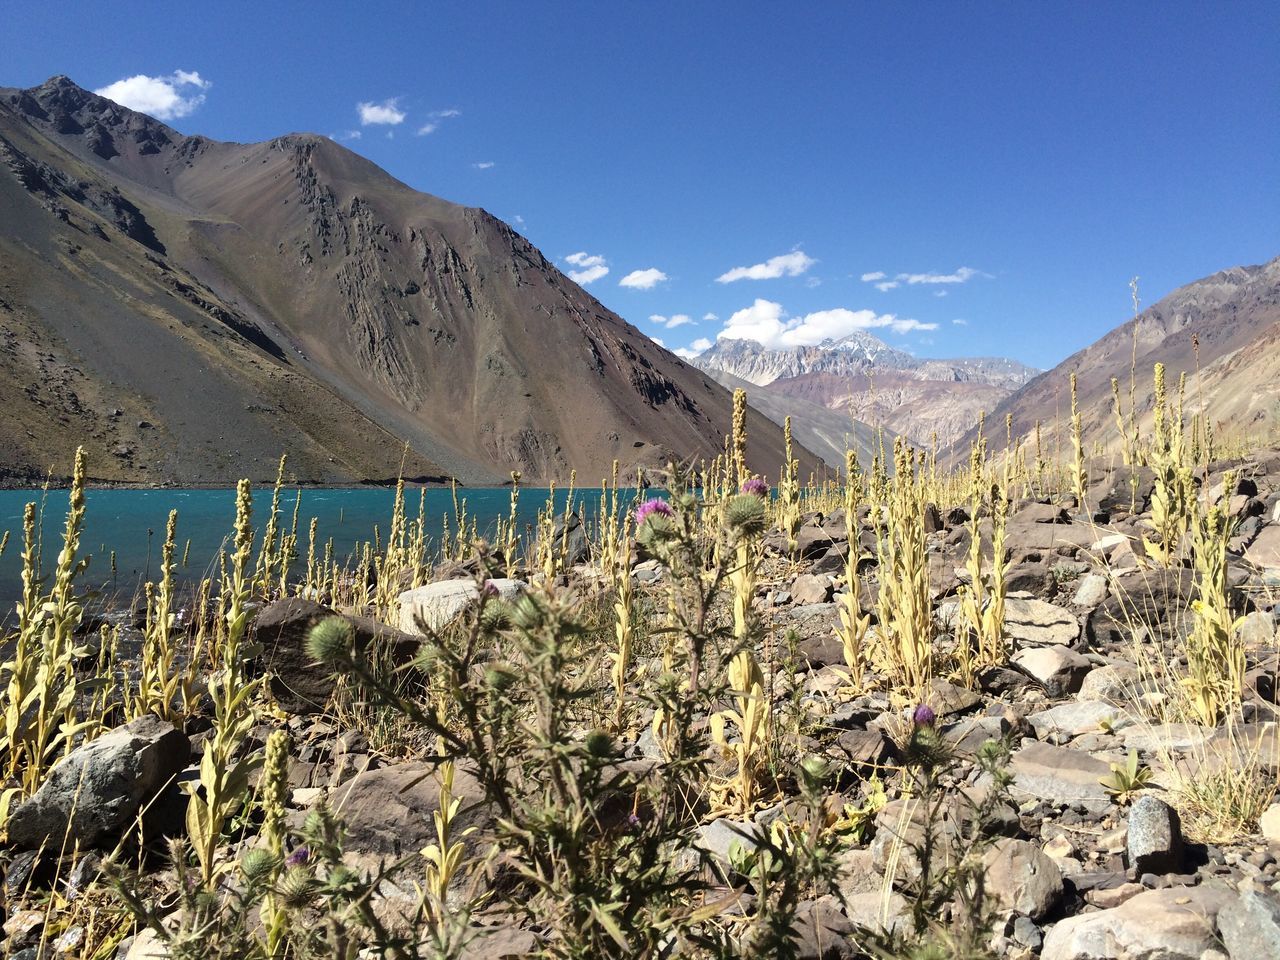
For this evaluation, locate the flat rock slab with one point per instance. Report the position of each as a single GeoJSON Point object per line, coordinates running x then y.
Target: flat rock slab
{"type": "Point", "coordinates": [1058, 774]}
{"type": "Point", "coordinates": [1265, 549]}
{"type": "Point", "coordinates": [1039, 623]}
{"type": "Point", "coordinates": [1081, 716]}
{"type": "Point", "coordinates": [1177, 923]}
{"type": "Point", "coordinates": [435, 605]}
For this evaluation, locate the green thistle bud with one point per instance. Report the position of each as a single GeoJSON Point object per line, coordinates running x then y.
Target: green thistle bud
{"type": "Point", "coordinates": [330, 641]}
{"type": "Point", "coordinates": [526, 613]}
{"type": "Point", "coordinates": [599, 744]}
{"type": "Point", "coordinates": [257, 865]}
{"type": "Point", "coordinates": [745, 513]}
{"type": "Point", "coordinates": [814, 770]}
{"type": "Point", "coordinates": [297, 887]}
{"type": "Point", "coordinates": [343, 879]}
{"type": "Point", "coordinates": [496, 615]}
{"type": "Point", "coordinates": [499, 677]}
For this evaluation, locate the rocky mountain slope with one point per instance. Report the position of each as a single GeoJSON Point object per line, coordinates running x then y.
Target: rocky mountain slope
{"type": "Point", "coordinates": [1226, 326]}
{"type": "Point", "coordinates": [190, 309]}
{"type": "Point", "coordinates": [865, 378]}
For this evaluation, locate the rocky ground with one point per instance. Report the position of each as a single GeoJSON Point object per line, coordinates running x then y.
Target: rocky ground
{"type": "Point", "coordinates": [1077, 869]}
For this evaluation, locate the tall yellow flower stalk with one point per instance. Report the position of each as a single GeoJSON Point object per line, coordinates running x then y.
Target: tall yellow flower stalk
{"type": "Point", "coordinates": [789, 493]}
{"type": "Point", "coordinates": [745, 518]}
{"type": "Point", "coordinates": [623, 617]}
{"type": "Point", "coordinates": [852, 630]}
{"type": "Point", "coordinates": [159, 683]}
{"type": "Point", "coordinates": [1079, 475]}
{"type": "Point", "coordinates": [980, 633]}
{"type": "Point", "coordinates": [905, 631]}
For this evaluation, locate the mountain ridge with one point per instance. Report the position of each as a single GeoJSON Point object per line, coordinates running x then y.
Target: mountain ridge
{"type": "Point", "coordinates": [297, 277]}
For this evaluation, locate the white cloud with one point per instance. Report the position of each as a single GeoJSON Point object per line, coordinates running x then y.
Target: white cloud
{"type": "Point", "coordinates": [657, 340]}
{"type": "Point", "coordinates": [484, 165]}
{"type": "Point", "coordinates": [643, 279]}
{"type": "Point", "coordinates": [161, 97]}
{"type": "Point", "coordinates": [699, 346]}
{"type": "Point", "coordinates": [887, 285]}
{"type": "Point", "coordinates": [960, 323]}
{"type": "Point", "coordinates": [433, 121]}
{"type": "Point", "coordinates": [789, 264]}
{"type": "Point", "coordinates": [346, 135]}
{"type": "Point", "coordinates": [709, 316]}
{"type": "Point", "coordinates": [385, 112]}
{"type": "Point", "coordinates": [590, 267]}
{"type": "Point", "coordinates": [767, 323]}
{"type": "Point", "coordinates": [962, 275]}
{"type": "Point", "coordinates": [671, 322]}
{"type": "Point", "coordinates": [939, 293]}
{"type": "Point", "coordinates": [518, 220]}
{"type": "Point", "coordinates": [873, 276]}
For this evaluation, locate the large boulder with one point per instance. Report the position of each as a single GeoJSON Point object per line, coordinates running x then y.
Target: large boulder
{"type": "Point", "coordinates": [1250, 927]}
{"type": "Point", "coordinates": [389, 811]}
{"type": "Point", "coordinates": [1154, 839]}
{"type": "Point", "coordinates": [1058, 774]}
{"type": "Point", "coordinates": [1023, 878]}
{"type": "Point", "coordinates": [436, 605]}
{"type": "Point", "coordinates": [299, 684]}
{"type": "Point", "coordinates": [96, 792]}
{"type": "Point", "coordinates": [1176, 923]}
{"type": "Point", "coordinates": [1038, 623]}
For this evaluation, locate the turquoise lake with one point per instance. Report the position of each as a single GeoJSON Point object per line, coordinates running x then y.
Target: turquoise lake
{"type": "Point", "coordinates": [132, 523]}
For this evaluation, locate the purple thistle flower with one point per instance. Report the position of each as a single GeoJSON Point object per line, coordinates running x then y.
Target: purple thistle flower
{"type": "Point", "coordinates": [633, 822]}
{"type": "Point", "coordinates": [298, 857]}
{"type": "Point", "coordinates": [756, 486]}
{"type": "Point", "coordinates": [923, 716]}
{"type": "Point", "coordinates": [650, 507]}
{"type": "Point", "coordinates": [490, 589]}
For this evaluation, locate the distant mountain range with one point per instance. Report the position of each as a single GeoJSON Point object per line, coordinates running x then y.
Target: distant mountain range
{"type": "Point", "coordinates": [869, 381]}
{"type": "Point", "coordinates": [1222, 331]}
{"type": "Point", "coordinates": [190, 309]}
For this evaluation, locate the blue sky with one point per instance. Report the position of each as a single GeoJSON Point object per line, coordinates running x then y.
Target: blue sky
{"type": "Point", "coordinates": [1008, 165]}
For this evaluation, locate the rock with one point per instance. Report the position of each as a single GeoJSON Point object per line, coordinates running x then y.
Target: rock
{"type": "Point", "coordinates": [299, 685]}
{"type": "Point", "coordinates": [811, 588]}
{"type": "Point", "coordinates": [570, 548]}
{"type": "Point", "coordinates": [949, 699]}
{"type": "Point", "coordinates": [1058, 774]}
{"type": "Point", "coordinates": [823, 650]}
{"type": "Point", "coordinates": [720, 837]}
{"type": "Point", "coordinates": [1074, 718]}
{"type": "Point", "coordinates": [1172, 924]}
{"type": "Point", "coordinates": [1265, 550]}
{"type": "Point", "coordinates": [1090, 591]}
{"type": "Point", "coordinates": [1154, 842]}
{"type": "Point", "coordinates": [96, 792]}
{"type": "Point", "coordinates": [1113, 682]}
{"type": "Point", "coordinates": [812, 542]}
{"type": "Point", "coordinates": [1036, 622]}
{"type": "Point", "coordinates": [821, 929]}
{"type": "Point", "coordinates": [1155, 599]}
{"type": "Point", "coordinates": [503, 942]}
{"type": "Point", "coordinates": [1269, 824]}
{"type": "Point", "coordinates": [388, 810]}
{"type": "Point", "coordinates": [1060, 669]}
{"type": "Point", "coordinates": [1023, 879]}
{"type": "Point", "coordinates": [1035, 512]}
{"type": "Point", "coordinates": [1250, 927]}
{"type": "Point", "coordinates": [436, 605]}
{"type": "Point", "coordinates": [861, 748]}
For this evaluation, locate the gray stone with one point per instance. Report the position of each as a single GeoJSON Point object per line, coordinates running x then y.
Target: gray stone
{"type": "Point", "coordinates": [1036, 622]}
{"type": "Point", "coordinates": [435, 605]}
{"type": "Point", "coordinates": [1058, 774]}
{"type": "Point", "coordinates": [1113, 682]}
{"type": "Point", "coordinates": [96, 792]}
{"type": "Point", "coordinates": [1250, 927]}
{"type": "Point", "coordinates": [720, 837]}
{"type": "Point", "coordinates": [298, 684]}
{"type": "Point", "coordinates": [1154, 843]}
{"type": "Point", "coordinates": [1076, 717]}
{"type": "Point", "coordinates": [811, 588]}
{"type": "Point", "coordinates": [1060, 669]}
{"type": "Point", "coordinates": [1171, 924]}
{"type": "Point", "coordinates": [1090, 591]}
{"type": "Point", "coordinates": [1022, 878]}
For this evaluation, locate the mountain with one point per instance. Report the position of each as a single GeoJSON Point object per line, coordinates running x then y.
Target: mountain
{"type": "Point", "coordinates": [863, 377]}
{"type": "Point", "coordinates": [190, 309]}
{"type": "Point", "coordinates": [828, 433]}
{"type": "Point", "coordinates": [1226, 325]}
